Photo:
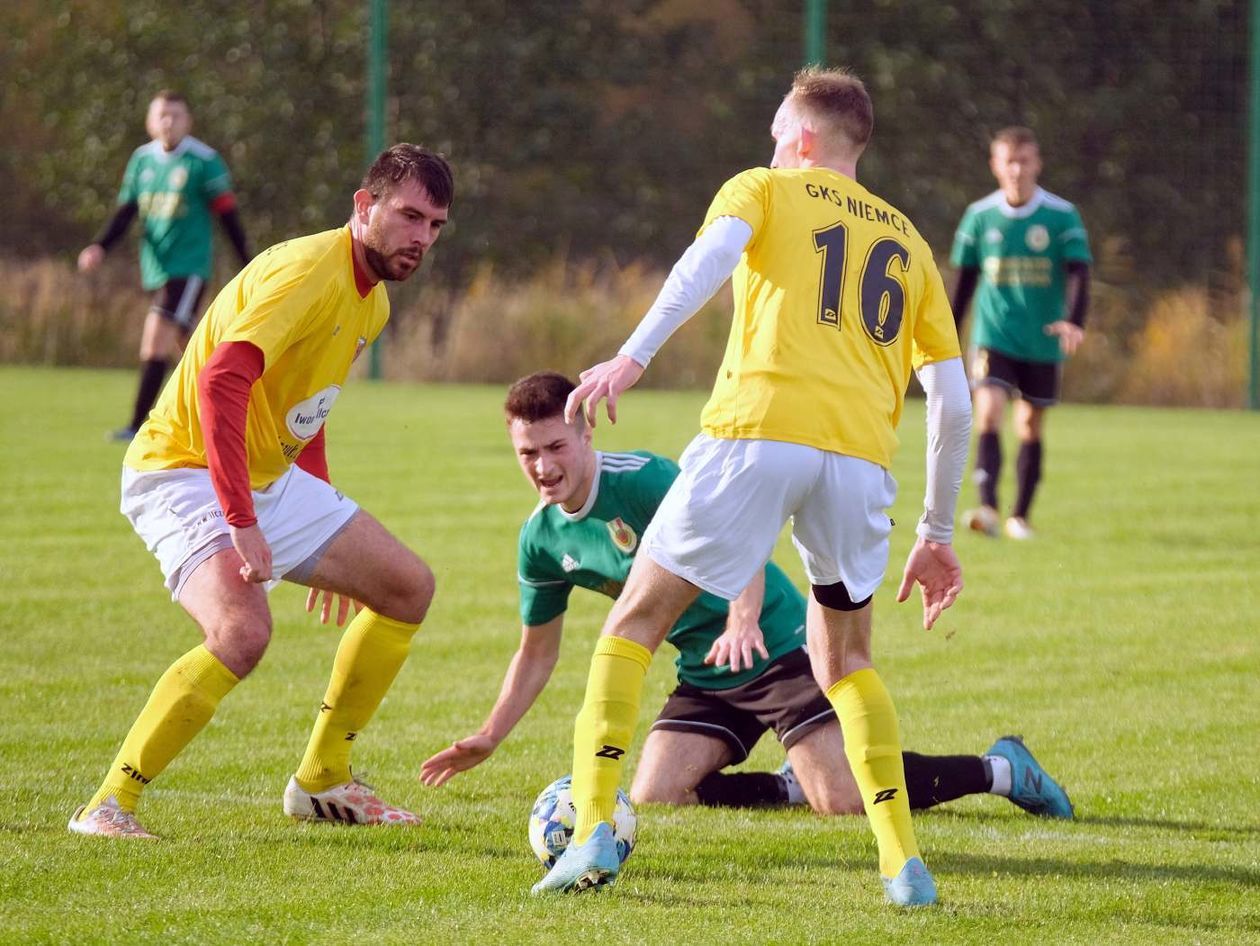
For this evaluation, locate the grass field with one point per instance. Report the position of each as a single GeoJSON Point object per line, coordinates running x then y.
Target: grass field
{"type": "Point", "coordinates": [1122, 644]}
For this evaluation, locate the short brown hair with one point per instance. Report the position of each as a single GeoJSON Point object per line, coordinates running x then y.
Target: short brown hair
{"type": "Point", "coordinates": [839, 99]}
{"type": "Point", "coordinates": [408, 162]}
{"type": "Point", "coordinates": [539, 396]}
{"type": "Point", "coordinates": [1014, 136]}
{"type": "Point", "coordinates": [170, 95]}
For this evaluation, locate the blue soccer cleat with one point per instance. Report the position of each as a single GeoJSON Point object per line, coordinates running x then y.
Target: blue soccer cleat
{"type": "Point", "coordinates": [912, 887]}
{"type": "Point", "coordinates": [1032, 788]}
{"type": "Point", "coordinates": [586, 866]}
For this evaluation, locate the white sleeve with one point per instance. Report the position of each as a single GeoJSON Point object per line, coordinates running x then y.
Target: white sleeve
{"type": "Point", "coordinates": [697, 275]}
{"type": "Point", "coordinates": [948, 432]}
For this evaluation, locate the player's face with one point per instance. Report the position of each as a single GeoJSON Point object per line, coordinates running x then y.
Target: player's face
{"type": "Point", "coordinates": [167, 122]}
{"type": "Point", "coordinates": [399, 229]}
{"type": "Point", "coordinates": [786, 132]}
{"type": "Point", "coordinates": [557, 458]}
{"type": "Point", "coordinates": [1016, 168]}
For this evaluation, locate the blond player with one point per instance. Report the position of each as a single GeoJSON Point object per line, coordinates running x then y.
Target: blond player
{"type": "Point", "coordinates": [227, 484]}
{"type": "Point", "coordinates": [837, 297]}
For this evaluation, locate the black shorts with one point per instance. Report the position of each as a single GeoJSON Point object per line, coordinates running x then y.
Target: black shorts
{"type": "Point", "coordinates": [1037, 382]}
{"type": "Point", "coordinates": [785, 698]}
{"type": "Point", "coordinates": [179, 301]}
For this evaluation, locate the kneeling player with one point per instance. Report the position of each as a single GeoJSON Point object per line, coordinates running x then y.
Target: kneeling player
{"type": "Point", "coordinates": [741, 666]}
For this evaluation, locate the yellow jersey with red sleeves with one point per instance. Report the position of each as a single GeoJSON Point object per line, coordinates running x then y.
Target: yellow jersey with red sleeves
{"type": "Point", "coordinates": [299, 302]}
{"type": "Point", "coordinates": [837, 298]}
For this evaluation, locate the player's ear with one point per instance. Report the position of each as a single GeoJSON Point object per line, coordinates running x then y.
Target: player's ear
{"type": "Point", "coordinates": [806, 142]}
{"type": "Point", "coordinates": [363, 202]}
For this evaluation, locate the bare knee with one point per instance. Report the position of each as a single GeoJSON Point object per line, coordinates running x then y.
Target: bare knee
{"type": "Point", "coordinates": [653, 793]}
{"type": "Point", "coordinates": [238, 643]}
{"type": "Point", "coordinates": [408, 593]}
{"type": "Point", "coordinates": [835, 803]}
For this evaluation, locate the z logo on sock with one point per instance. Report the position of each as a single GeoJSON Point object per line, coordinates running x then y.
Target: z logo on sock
{"type": "Point", "coordinates": [610, 752]}
{"type": "Point", "coordinates": [884, 794]}
{"type": "Point", "coordinates": [134, 773]}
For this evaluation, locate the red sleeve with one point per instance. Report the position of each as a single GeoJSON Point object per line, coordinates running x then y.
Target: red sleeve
{"type": "Point", "coordinates": [314, 457]}
{"type": "Point", "coordinates": [223, 388]}
{"type": "Point", "coordinates": [223, 203]}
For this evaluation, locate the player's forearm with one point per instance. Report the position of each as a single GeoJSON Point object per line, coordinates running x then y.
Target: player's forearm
{"type": "Point", "coordinates": [964, 289]}
{"type": "Point", "coordinates": [698, 274]}
{"type": "Point", "coordinates": [1077, 293]}
{"type": "Point", "coordinates": [116, 225]}
{"type": "Point", "coordinates": [526, 678]}
{"type": "Point", "coordinates": [223, 389]}
{"type": "Point", "coordinates": [225, 206]}
{"type": "Point", "coordinates": [746, 609]}
{"type": "Point", "coordinates": [948, 432]}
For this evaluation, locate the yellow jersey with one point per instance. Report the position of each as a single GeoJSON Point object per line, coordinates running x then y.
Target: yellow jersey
{"type": "Point", "coordinates": [837, 298]}
{"type": "Point", "coordinates": [299, 302]}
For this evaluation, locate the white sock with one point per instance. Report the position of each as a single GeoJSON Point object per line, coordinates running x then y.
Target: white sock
{"type": "Point", "coordinates": [795, 794]}
{"type": "Point", "coordinates": [1001, 769]}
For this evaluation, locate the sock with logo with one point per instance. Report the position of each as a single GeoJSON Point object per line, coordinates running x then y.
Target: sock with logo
{"type": "Point", "coordinates": [371, 653]}
{"type": "Point", "coordinates": [183, 701]}
{"type": "Point", "coordinates": [998, 772]}
{"type": "Point", "coordinates": [151, 374]}
{"type": "Point", "coordinates": [604, 728]}
{"type": "Point", "coordinates": [934, 779]}
{"type": "Point", "coordinates": [743, 790]}
{"type": "Point", "coordinates": [988, 467]}
{"type": "Point", "coordinates": [1027, 475]}
{"type": "Point", "coordinates": [873, 747]}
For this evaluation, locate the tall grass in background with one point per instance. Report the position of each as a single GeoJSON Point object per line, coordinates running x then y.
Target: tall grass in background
{"type": "Point", "coordinates": [1183, 346]}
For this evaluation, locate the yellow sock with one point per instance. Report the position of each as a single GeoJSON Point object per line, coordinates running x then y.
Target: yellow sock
{"type": "Point", "coordinates": [180, 705]}
{"type": "Point", "coordinates": [873, 746]}
{"type": "Point", "coordinates": [604, 729]}
{"type": "Point", "coordinates": [371, 653]}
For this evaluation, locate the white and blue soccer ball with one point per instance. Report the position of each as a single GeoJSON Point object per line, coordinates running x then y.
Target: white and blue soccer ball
{"type": "Point", "coordinates": [552, 819]}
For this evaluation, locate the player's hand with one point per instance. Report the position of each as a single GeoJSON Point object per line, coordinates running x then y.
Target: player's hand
{"type": "Point", "coordinates": [735, 648]}
{"type": "Point", "coordinates": [253, 548]}
{"type": "Point", "coordinates": [607, 381]}
{"type": "Point", "coordinates": [325, 611]}
{"type": "Point", "coordinates": [459, 756]}
{"type": "Point", "coordinates": [1070, 335]}
{"type": "Point", "coordinates": [90, 257]}
{"type": "Point", "coordinates": [937, 571]}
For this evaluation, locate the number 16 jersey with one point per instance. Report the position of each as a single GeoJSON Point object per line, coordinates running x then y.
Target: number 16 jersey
{"type": "Point", "coordinates": [837, 298]}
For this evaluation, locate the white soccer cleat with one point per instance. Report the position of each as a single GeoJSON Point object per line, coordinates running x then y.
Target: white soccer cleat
{"type": "Point", "coordinates": [1017, 528]}
{"type": "Point", "coordinates": [983, 519]}
{"type": "Point", "coordinates": [351, 803]}
{"type": "Point", "coordinates": [107, 820]}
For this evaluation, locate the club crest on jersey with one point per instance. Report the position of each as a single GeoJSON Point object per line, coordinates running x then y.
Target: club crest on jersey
{"type": "Point", "coordinates": [358, 347]}
{"type": "Point", "coordinates": [178, 177]}
{"type": "Point", "coordinates": [1037, 238]}
{"type": "Point", "coordinates": [623, 536]}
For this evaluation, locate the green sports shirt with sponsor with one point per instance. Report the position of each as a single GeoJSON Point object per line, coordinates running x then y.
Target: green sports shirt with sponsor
{"type": "Point", "coordinates": [594, 547]}
{"type": "Point", "coordinates": [1021, 253]}
{"type": "Point", "coordinates": [173, 191]}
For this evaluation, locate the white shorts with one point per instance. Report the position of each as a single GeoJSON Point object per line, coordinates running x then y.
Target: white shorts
{"type": "Point", "coordinates": [719, 522]}
{"type": "Point", "coordinates": [177, 514]}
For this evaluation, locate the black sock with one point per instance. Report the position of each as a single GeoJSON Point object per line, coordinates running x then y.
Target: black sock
{"type": "Point", "coordinates": [151, 374]}
{"type": "Point", "coordinates": [988, 466]}
{"type": "Point", "coordinates": [933, 779]}
{"type": "Point", "coordinates": [741, 790]}
{"type": "Point", "coordinates": [1028, 474]}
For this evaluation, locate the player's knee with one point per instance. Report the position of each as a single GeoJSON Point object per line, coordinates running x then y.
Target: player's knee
{"type": "Point", "coordinates": [659, 793]}
{"type": "Point", "coordinates": [836, 596]}
{"type": "Point", "coordinates": [239, 643]}
{"type": "Point", "coordinates": [409, 593]}
{"type": "Point", "coordinates": [832, 803]}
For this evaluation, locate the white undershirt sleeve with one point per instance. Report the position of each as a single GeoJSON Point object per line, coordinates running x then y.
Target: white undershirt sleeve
{"type": "Point", "coordinates": [697, 275]}
{"type": "Point", "coordinates": [948, 433]}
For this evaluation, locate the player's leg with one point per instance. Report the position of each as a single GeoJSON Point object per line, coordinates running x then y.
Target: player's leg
{"type": "Point", "coordinates": [1039, 388]}
{"type": "Point", "coordinates": [674, 763]}
{"type": "Point", "coordinates": [992, 384]}
{"type": "Point", "coordinates": [161, 343]}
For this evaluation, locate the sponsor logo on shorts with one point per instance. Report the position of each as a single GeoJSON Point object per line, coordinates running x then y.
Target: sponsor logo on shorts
{"type": "Point", "coordinates": [623, 536]}
{"type": "Point", "coordinates": [306, 417]}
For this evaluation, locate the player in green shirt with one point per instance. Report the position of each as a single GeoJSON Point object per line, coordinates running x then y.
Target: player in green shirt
{"type": "Point", "coordinates": [1027, 251]}
{"type": "Point", "coordinates": [175, 184]}
{"type": "Point", "coordinates": [742, 669]}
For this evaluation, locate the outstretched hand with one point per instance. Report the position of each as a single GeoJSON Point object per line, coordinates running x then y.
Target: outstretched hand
{"type": "Point", "coordinates": [736, 645]}
{"type": "Point", "coordinates": [607, 381]}
{"type": "Point", "coordinates": [459, 756]}
{"type": "Point", "coordinates": [937, 571]}
{"type": "Point", "coordinates": [343, 605]}
{"type": "Point", "coordinates": [1070, 335]}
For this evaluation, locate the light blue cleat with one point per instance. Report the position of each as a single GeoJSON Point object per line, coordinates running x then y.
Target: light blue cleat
{"type": "Point", "coordinates": [912, 887]}
{"type": "Point", "coordinates": [1031, 786]}
{"type": "Point", "coordinates": [586, 866]}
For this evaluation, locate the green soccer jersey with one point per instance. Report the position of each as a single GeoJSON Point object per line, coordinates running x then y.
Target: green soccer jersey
{"type": "Point", "coordinates": [1021, 252]}
{"type": "Point", "coordinates": [173, 190]}
{"type": "Point", "coordinates": [594, 547]}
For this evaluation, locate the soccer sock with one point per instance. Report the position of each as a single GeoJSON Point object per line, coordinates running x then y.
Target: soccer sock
{"type": "Point", "coordinates": [371, 653]}
{"type": "Point", "coordinates": [604, 729]}
{"type": "Point", "coordinates": [988, 467]}
{"type": "Point", "coordinates": [742, 790]}
{"type": "Point", "coordinates": [873, 747]}
{"type": "Point", "coordinates": [180, 705]}
{"type": "Point", "coordinates": [1028, 474]}
{"type": "Point", "coordinates": [998, 772]}
{"type": "Point", "coordinates": [151, 374]}
{"type": "Point", "coordinates": [933, 779]}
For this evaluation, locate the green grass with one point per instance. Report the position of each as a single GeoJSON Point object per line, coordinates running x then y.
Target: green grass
{"type": "Point", "coordinates": [1122, 644]}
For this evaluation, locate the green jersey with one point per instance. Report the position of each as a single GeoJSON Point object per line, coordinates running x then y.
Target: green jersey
{"type": "Point", "coordinates": [1021, 252]}
{"type": "Point", "coordinates": [173, 191]}
{"type": "Point", "coordinates": [594, 547]}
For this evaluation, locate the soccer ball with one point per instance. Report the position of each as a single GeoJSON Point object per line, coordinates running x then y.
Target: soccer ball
{"type": "Point", "coordinates": [551, 822]}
